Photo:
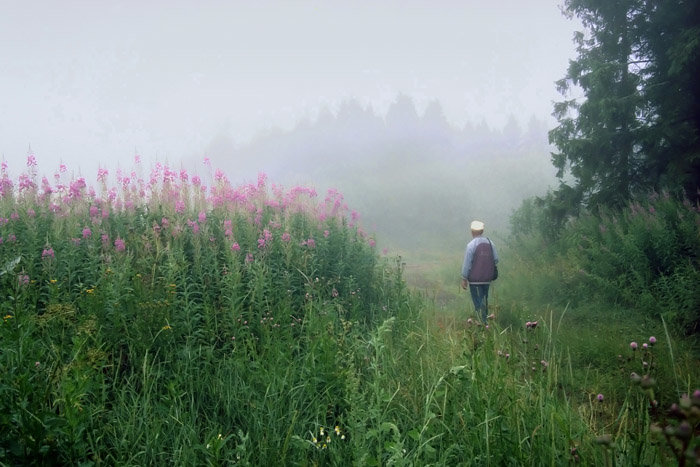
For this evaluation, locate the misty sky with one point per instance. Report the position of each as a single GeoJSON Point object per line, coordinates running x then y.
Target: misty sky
{"type": "Point", "coordinates": [90, 82]}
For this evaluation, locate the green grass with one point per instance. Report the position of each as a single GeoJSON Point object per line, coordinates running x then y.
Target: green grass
{"type": "Point", "coordinates": [182, 349]}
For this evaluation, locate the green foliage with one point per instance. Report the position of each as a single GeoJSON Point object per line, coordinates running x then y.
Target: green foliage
{"type": "Point", "coordinates": [643, 257]}
{"type": "Point", "coordinates": [637, 128]}
{"type": "Point", "coordinates": [273, 334]}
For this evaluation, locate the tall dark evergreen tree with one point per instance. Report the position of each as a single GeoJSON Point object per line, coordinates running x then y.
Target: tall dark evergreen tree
{"type": "Point", "coordinates": [637, 126]}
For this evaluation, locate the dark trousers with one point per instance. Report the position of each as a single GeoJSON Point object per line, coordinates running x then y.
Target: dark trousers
{"type": "Point", "coordinates": [480, 297]}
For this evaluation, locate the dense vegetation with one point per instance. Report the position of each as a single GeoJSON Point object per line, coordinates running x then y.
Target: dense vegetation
{"type": "Point", "coordinates": [637, 127]}
{"type": "Point", "coordinates": [162, 321]}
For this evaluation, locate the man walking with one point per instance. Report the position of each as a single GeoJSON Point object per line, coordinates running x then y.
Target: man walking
{"type": "Point", "coordinates": [478, 269]}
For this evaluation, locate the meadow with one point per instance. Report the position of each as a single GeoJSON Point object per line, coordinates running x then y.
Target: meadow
{"type": "Point", "coordinates": [163, 318]}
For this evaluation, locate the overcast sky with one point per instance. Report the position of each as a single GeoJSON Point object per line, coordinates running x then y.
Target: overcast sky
{"type": "Point", "coordinates": [90, 82]}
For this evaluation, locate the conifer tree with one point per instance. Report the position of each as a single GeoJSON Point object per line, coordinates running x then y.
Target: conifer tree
{"type": "Point", "coordinates": [630, 120]}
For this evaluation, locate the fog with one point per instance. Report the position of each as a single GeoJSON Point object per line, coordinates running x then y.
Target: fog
{"type": "Point", "coordinates": [425, 114]}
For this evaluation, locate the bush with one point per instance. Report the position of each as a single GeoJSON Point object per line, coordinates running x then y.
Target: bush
{"type": "Point", "coordinates": [645, 257]}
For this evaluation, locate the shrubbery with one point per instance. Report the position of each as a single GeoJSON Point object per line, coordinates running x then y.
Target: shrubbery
{"type": "Point", "coordinates": [160, 313]}
{"type": "Point", "coordinates": [645, 257]}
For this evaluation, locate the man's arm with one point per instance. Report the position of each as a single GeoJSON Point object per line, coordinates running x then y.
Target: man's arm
{"type": "Point", "coordinates": [467, 265]}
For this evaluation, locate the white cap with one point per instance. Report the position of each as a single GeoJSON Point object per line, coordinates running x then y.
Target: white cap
{"type": "Point", "coordinates": [477, 225]}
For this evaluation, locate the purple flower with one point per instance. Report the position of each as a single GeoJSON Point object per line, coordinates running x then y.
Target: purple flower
{"type": "Point", "coordinates": [652, 340]}
{"type": "Point", "coordinates": [633, 345]}
{"type": "Point", "coordinates": [48, 253]}
{"type": "Point", "coordinates": [600, 398]}
{"type": "Point", "coordinates": [235, 247]}
{"type": "Point", "coordinates": [179, 207]}
{"type": "Point", "coordinates": [311, 243]}
{"type": "Point", "coordinates": [119, 244]}
{"type": "Point", "coordinates": [87, 232]}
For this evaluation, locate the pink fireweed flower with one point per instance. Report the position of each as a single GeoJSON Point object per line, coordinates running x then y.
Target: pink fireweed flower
{"type": "Point", "coordinates": [31, 212]}
{"type": "Point", "coordinates": [14, 216]}
{"type": "Point", "coordinates": [202, 217]}
{"type": "Point", "coordinates": [105, 239]}
{"type": "Point", "coordinates": [267, 235]}
{"type": "Point", "coordinates": [48, 253]}
{"type": "Point", "coordinates": [87, 232]}
{"type": "Point", "coordinates": [179, 206]}
{"type": "Point", "coordinates": [102, 175]}
{"type": "Point", "coordinates": [23, 279]}
{"type": "Point", "coordinates": [12, 238]}
{"type": "Point", "coordinates": [261, 243]}
{"type": "Point", "coordinates": [633, 345]}
{"type": "Point", "coordinates": [31, 160]}
{"type": "Point", "coordinates": [94, 211]}
{"type": "Point", "coordinates": [119, 244]}
{"type": "Point", "coordinates": [311, 243]}
{"type": "Point", "coordinates": [326, 233]}
{"type": "Point", "coordinates": [286, 237]}
{"type": "Point", "coordinates": [235, 247]}
{"type": "Point", "coordinates": [249, 258]}
{"type": "Point", "coordinates": [372, 243]}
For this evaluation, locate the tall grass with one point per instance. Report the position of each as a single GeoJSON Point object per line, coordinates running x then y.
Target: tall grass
{"type": "Point", "coordinates": [163, 322]}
